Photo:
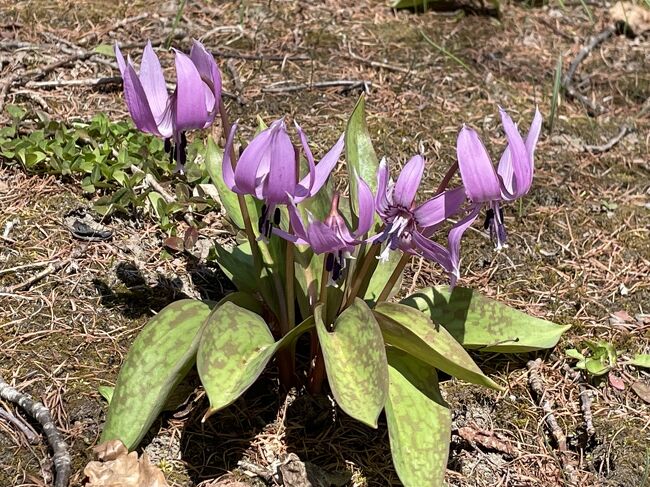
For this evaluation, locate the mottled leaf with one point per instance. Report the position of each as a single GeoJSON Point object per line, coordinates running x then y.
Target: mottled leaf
{"type": "Point", "coordinates": [412, 331]}
{"type": "Point", "coordinates": [355, 361]}
{"type": "Point", "coordinates": [419, 421]}
{"type": "Point", "coordinates": [159, 358]}
{"type": "Point", "coordinates": [236, 345]}
{"type": "Point", "coordinates": [360, 155]}
{"type": "Point", "coordinates": [237, 265]}
{"type": "Point", "coordinates": [482, 323]}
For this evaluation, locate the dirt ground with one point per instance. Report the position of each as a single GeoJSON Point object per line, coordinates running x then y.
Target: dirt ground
{"type": "Point", "coordinates": [579, 249]}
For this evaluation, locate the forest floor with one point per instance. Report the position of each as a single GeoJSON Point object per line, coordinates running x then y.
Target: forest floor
{"type": "Point", "coordinates": [579, 243]}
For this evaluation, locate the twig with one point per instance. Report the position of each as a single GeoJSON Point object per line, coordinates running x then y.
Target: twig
{"type": "Point", "coordinates": [50, 269]}
{"type": "Point", "coordinates": [111, 80]}
{"type": "Point", "coordinates": [61, 457]}
{"type": "Point", "coordinates": [347, 84]}
{"type": "Point", "coordinates": [377, 64]}
{"type": "Point", "coordinates": [24, 428]}
{"type": "Point", "coordinates": [595, 149]}
{"type": "Point", "coordinates": [567, 82]}
{"type": "Point", "coordinates": [537, 386]}
{"type": "Point", "coordinates": [24, 267]}
{"type": "Point", "coordinates": [585, 400]}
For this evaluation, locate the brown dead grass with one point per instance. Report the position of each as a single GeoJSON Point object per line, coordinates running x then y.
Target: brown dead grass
{"type": "Point", "coordinates": [579, 244]}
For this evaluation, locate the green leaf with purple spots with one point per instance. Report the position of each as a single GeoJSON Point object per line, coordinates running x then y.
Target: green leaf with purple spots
{"type": "Point", "coordinates": [355, 360]}
{"type": "Point", "coordinates": [236, 345]}
{"type": "Point", "coordinates": [478, 322]}
{"type": "Point", "coordinates": [419, 421]}
{"type": "Point", "coordinates": [159, 358]}
{"type": "Point", "coordinates": [412, 331]}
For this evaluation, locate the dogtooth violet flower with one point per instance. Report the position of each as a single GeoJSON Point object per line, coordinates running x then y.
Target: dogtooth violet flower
{"type": "Point", "coordinates": [268, 170]}
{"type": "Point", "coordinates": [408, 227]}
{"type": "Point", "coordinates": [332, 236]}
{"type": "Point", "coordinates": [512, 179]}
{"type": "Point", "coordinates": [193, 104]}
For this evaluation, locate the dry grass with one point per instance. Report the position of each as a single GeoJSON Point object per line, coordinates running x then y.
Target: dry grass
{"type": "Point", "coordinates": [579, 244]}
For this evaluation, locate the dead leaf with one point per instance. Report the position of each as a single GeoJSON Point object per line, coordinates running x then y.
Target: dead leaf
{"type": "Point", "coordinates": [634, 18]}
{"type": "Point", "coordinates": [191, 237]}
{"type": "Point", "coordinates": [642, 390]}
{"type": "Point", "coordinates": [175, 244]}
{"type": "Point", "coordinates": [487, 439]}
{"type": "Point", "coordinates": [118, 468]}
{"type": "Point", "coordinates": [616, 382]}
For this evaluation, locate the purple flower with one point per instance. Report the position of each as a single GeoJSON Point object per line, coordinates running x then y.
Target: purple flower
{"type": "Point", "coordinates": [408, 227]}
{"type": "Point", "coordinates": [268, 170]}
{"type": "Point", "coordinates": [193, 104]}
{"type": "Point", "coordinates": [511, 180]}
{"type": "Point", "coordinates": [332, 236]}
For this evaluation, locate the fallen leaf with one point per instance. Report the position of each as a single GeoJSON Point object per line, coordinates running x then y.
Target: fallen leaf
{"type": "Point", "coordinates": [642, 390]}
{"type": "Point", "coordinates": [174, 244]}
{"type": "Point", "coordinates": [191, 237]}
{"type": "Point", "coordinates": [616, 382]}
{"type": "Point", "coordinates": [487, 439]}
{"type": "Point", "coordinates": [634, 18]}
{"type": "Point", "coordinates": [117, 467]}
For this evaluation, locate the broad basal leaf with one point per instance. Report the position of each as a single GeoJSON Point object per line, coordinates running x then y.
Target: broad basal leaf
{"type": "Point", "coordinates": [412, 331]}
{"type": "Point", "coordinates": [359, 154]}
{"type": "Point", "coordinates": [483, 323]}
{"type": "Point", "coordinates": [380, 277]}
{"type": "Point", "coordinates": [355, 360]}
{"type": "Point", "coordinates": [159, 358]}
{"type": "Point", "coordinates": [641, 360]}
{"type": "Point", "coordinates": [419, 421]}
{"type": "Point", "coordinates": [236, 345]}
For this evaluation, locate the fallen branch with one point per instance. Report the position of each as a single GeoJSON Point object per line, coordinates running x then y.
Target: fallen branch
{"type": "Point", "coordinates": [567, 82]}
{"type": "Point", "coordinates": [36, 410]}
{"type": "Point", "coordinates": [24, 428]}
{"type": "Point", "coordinates": [347, 84]}
{"type": "Point", "coordinates": [595, 149]}
{"type": "Point", "coordinates": [585, 400]}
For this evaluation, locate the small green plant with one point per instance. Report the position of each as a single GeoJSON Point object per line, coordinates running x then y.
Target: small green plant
{"type": "Point", "coordinates": [601, 359]}
{"type": "Point", "coordinates": [111, 160]}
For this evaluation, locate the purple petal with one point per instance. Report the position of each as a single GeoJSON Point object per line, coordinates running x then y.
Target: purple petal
{"type": "Point", "coordinates": [282, 171]}
{"type": "Point", "coordinates": [432, 251]}
{"type": "Point", "coordinates": [323, 239]}
{"type": "Point", "coordinates": [296, 222]}
{"type": "Point", "coordinates": [325, 167]}
{"type": "Point", "coordinates": [439, 208]}
{"type": "Point", "coordinates": [304, 188]}
{"type": "Point", "coordinates": [455, 236]}
{"type": "Point", "coordinates": [136, 101]}
{"type": "Point", "coordinates": [121, 64]}
{"type": "Point", "coordinates": [516, 172]}
{"type": "Point", "coordinates": [479, 178]}
{"type": "Point", "coordinates": [153, 82]}
{"type": "Point", "coordinates": [366, 208]}
{"type": "Point", "coordinates": [255, 154]}
{"type": "Point", "coordinates": [408, 182]}
{"type": "Point", "coordinates": [226, 164]}
{"type": "Point", "coordinates": [289, 237]}
{"type": "Point", "coordinates": [209, 72]}
{"type": "Point", "coordinates": [533, 137]}
{"type": "Point", "coordinates": [382, 202]}
{"type": "Point", "coordinates": [191, 112]}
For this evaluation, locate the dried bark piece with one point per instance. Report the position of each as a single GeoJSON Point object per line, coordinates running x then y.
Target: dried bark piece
{"type": "Point", "coordinates": [489, 440]}
{"type": "Point", "coordinates": [119, 468]}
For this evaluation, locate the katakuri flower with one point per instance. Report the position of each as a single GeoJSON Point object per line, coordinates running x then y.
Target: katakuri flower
{"type": "Point", "coordinates": [332, 236]}
{"type": "Point", "coordinates": [193, 104]}
{"type": "Point", "coordinates": [408, 227]}
{"type": "Point", "coordinates": [268, 169]}
{"type": "Point", "coordinates": [512, 179]}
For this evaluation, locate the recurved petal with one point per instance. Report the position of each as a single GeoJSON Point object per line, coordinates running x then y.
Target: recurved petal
{"type": "Point", "coordinates": [327, 164]}
{"type": "Point", "coordinates": [382, 200]}
{"type": "Point", "coordinates": [433, 251]}
{"type": "Point", "coordinates": [366, 208]}
{"type": "Point", "coordinates": [514, 166]}
{"type": "Point", "coordinates": [257, 153]}
{"type": "Point", "coordinates": [153, 82]}
{"type": "Point", "coordinates": [209, 72]}
{"type": "Point", "coordinates": [121, 64]}
{"type": "Point", "coordinates": [533, 136]}
{"type": "Point", "coordinates": [476, 170]}
{"type": "Point", "coordinates": [296, 221]}
{"type": "Point", "coordinates": [439, 208]}
{"type": "Point", "coordinates": [282, 171]}
{"type": "Point", "coordinates": [226, 165]}
{"type": "Point", "coordinates": [323, 239]}
{"type": "Point", "coordinates": [408, 182]}
{"type": "Point", "coordinates": [136, 101]}
{"type": "Point", "coordinates": [454, 238]}
{"type": "Point", "coordinates": [304, 187]}
{"type": "Point", "coordinates": [191, 112]}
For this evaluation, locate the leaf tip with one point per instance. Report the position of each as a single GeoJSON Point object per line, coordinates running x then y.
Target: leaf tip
{"type": "Point", "coordinates": [208, 413]}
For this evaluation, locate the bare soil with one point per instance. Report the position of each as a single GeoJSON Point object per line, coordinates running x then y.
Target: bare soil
{"type": "Point", "coordinates": [579, 242]}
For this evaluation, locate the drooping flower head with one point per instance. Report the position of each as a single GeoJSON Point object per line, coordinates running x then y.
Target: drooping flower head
{"type": "Point", "coordinates": [486, 187]}
{"type": "Point", "coordinates": [407, 226]}
{"type": "Point", "coordinates": [268, 169]}
{"type": "Point", "coordinates": [192, 105]}
{"type": "Point", "coordinates": [332, 235]}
